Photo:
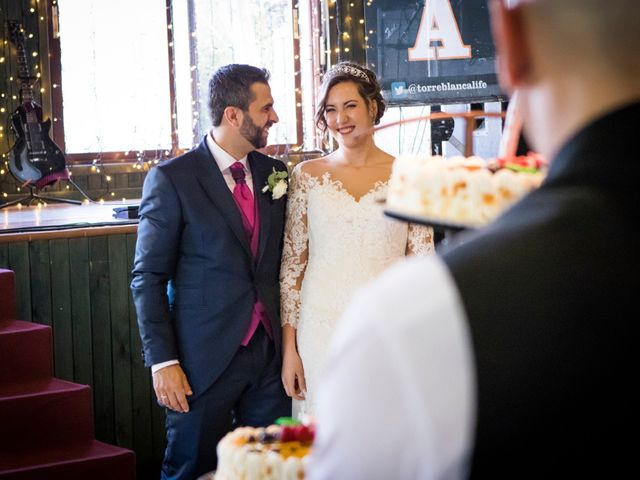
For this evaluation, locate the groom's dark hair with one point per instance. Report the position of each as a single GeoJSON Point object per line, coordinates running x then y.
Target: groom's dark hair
{"type": "Point", "coordinates": [230, 86]}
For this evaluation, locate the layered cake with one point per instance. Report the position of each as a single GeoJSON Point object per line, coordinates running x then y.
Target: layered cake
{"type": "Point", "coordinates": [277, 452]}
{"type": "Point", "coordinates": [461, 190]}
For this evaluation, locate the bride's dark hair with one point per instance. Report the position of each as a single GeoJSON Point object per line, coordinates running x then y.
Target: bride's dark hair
{"type": "Point", "coordinates": [366, 81]}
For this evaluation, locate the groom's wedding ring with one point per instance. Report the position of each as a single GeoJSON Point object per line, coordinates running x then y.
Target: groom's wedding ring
{"type": "Point", "coordinates": [163, 396]}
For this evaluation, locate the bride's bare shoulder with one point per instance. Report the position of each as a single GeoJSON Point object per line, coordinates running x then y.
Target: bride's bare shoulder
{"type": "Point", "coordinates": [315, 167]}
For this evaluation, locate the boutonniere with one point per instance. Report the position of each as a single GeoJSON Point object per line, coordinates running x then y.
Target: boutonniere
{"type": "Point", "coordinates": [276, 184]}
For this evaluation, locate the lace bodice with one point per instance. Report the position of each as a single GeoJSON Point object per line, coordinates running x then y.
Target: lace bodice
{"type": "Point", "coordinates": [334, 243]}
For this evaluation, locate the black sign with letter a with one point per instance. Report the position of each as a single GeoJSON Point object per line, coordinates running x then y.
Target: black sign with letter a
{"type": "Point", "coordinates": [432, 51]}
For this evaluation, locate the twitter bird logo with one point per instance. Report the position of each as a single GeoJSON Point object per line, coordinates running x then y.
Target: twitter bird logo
{"type": "Point", "coordinates": [398, 89]}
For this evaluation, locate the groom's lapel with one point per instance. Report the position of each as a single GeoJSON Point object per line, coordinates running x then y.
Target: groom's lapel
{"type": "Point", "coordinates": [259, 172]}
{"type": "Point", "coordinates": [213, 183]}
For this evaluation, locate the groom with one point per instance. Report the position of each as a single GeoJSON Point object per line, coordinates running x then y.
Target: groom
{"type": "Point", "coordinates": [205, 277]}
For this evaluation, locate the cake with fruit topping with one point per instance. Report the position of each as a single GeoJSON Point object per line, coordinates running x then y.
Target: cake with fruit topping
{"type": "Point", "coordinates": [461, 190]}
{"type": "Point", "coordinates": [277, 452]}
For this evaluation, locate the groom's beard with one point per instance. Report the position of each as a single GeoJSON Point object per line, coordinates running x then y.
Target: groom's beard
{"type": "Point", "coordinates": [254, 134]}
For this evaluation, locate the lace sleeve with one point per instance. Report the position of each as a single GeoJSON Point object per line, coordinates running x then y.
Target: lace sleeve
{"type": "Point", "coordinates": [295, 251]}
{"type": "Point", "coordinates": [420, 240]}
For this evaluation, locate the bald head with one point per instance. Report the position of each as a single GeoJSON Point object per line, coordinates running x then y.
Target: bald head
{"type": "Point", "coordinates": [571, 61]}
{"type": "Point", "coordinates": [588, 33]}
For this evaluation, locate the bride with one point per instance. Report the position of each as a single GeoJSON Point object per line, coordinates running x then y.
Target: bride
{"type": "Point", "coordinates": [336, 236]}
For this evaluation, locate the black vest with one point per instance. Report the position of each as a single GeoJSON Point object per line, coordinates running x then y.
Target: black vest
{"type": "Point", "coordinates": [552, 295]}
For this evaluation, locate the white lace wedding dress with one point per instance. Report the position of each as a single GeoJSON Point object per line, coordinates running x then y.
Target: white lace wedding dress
{"type": "Point", "coordinates": [333, 244]}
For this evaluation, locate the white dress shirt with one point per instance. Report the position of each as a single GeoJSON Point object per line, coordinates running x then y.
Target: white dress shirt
{"type": "Point", "coordinates": [397, 400]}
{"type": "Point", "coordinates": [224, 161]}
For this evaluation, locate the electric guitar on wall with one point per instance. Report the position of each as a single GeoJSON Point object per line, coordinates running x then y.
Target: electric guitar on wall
{"type": "Point", "coordinates": [34, 155]}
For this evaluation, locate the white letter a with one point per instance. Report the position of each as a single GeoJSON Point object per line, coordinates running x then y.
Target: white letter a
{"type": "Point", "coordinates": [438, 25]}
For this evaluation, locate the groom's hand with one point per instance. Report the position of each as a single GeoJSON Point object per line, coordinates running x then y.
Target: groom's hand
{"type": "Point", "coordinates": [171, 387]}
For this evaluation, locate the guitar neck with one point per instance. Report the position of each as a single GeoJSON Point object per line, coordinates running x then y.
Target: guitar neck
{"type": "Point", "coordinates": [26, 86]}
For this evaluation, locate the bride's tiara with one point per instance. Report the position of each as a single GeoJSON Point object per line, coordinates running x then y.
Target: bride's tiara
{"type": "Point", "coordinates": [347, 70]}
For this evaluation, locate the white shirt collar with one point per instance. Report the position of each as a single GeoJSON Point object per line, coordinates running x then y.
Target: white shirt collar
{"type": "Point", "coordinates": [222, 158]}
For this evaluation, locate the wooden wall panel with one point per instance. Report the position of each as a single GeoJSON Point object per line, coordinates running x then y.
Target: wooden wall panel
{"type": "Point", "coordinates": [120, 339]}
{"type": "Point", "coordinates": [40, 282]}
{"type": "Point", "coordinates": [4, 255]}
{"type": "Point", "coordinates": [81, 310]}
{"type": "Point", "coordinates": [19, 263]}
{"type": "Point", "coordinates": [101, 338]}
{"type": "Point", "coordinates": [61, 308]}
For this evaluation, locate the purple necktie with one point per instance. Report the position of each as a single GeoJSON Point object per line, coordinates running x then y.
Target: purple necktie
{"type": "Point", "coordinates": [244, 199]}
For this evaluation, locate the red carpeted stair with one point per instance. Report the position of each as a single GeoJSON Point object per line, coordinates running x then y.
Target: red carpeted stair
{"type": "Point", "coordinates": [46, 424]}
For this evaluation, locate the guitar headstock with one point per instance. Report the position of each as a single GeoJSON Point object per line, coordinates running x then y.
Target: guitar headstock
{"type": "Point", "coordinates": [16, 33]}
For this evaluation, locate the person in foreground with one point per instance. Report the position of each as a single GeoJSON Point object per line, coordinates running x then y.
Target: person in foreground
{"type": "Point", "coordinates": [518, 362]}
{"type": "Point", "coordinates": [209, 233]}
{"type": "Point", "coordinates": [336, 236]}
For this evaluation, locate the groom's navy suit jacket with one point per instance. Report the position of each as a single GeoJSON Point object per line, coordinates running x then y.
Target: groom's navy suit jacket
{"type": "Point", "coordinates": [195, 280]}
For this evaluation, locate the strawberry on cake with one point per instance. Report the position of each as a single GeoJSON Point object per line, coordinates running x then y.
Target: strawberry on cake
{"type": "Point", "coordinates": [277, 452]}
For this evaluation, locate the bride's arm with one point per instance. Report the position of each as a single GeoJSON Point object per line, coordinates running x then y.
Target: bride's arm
{"type": "Point", "coordinates": [420, 240]}
{"type": "Point", "coordinates": [295, 254]}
